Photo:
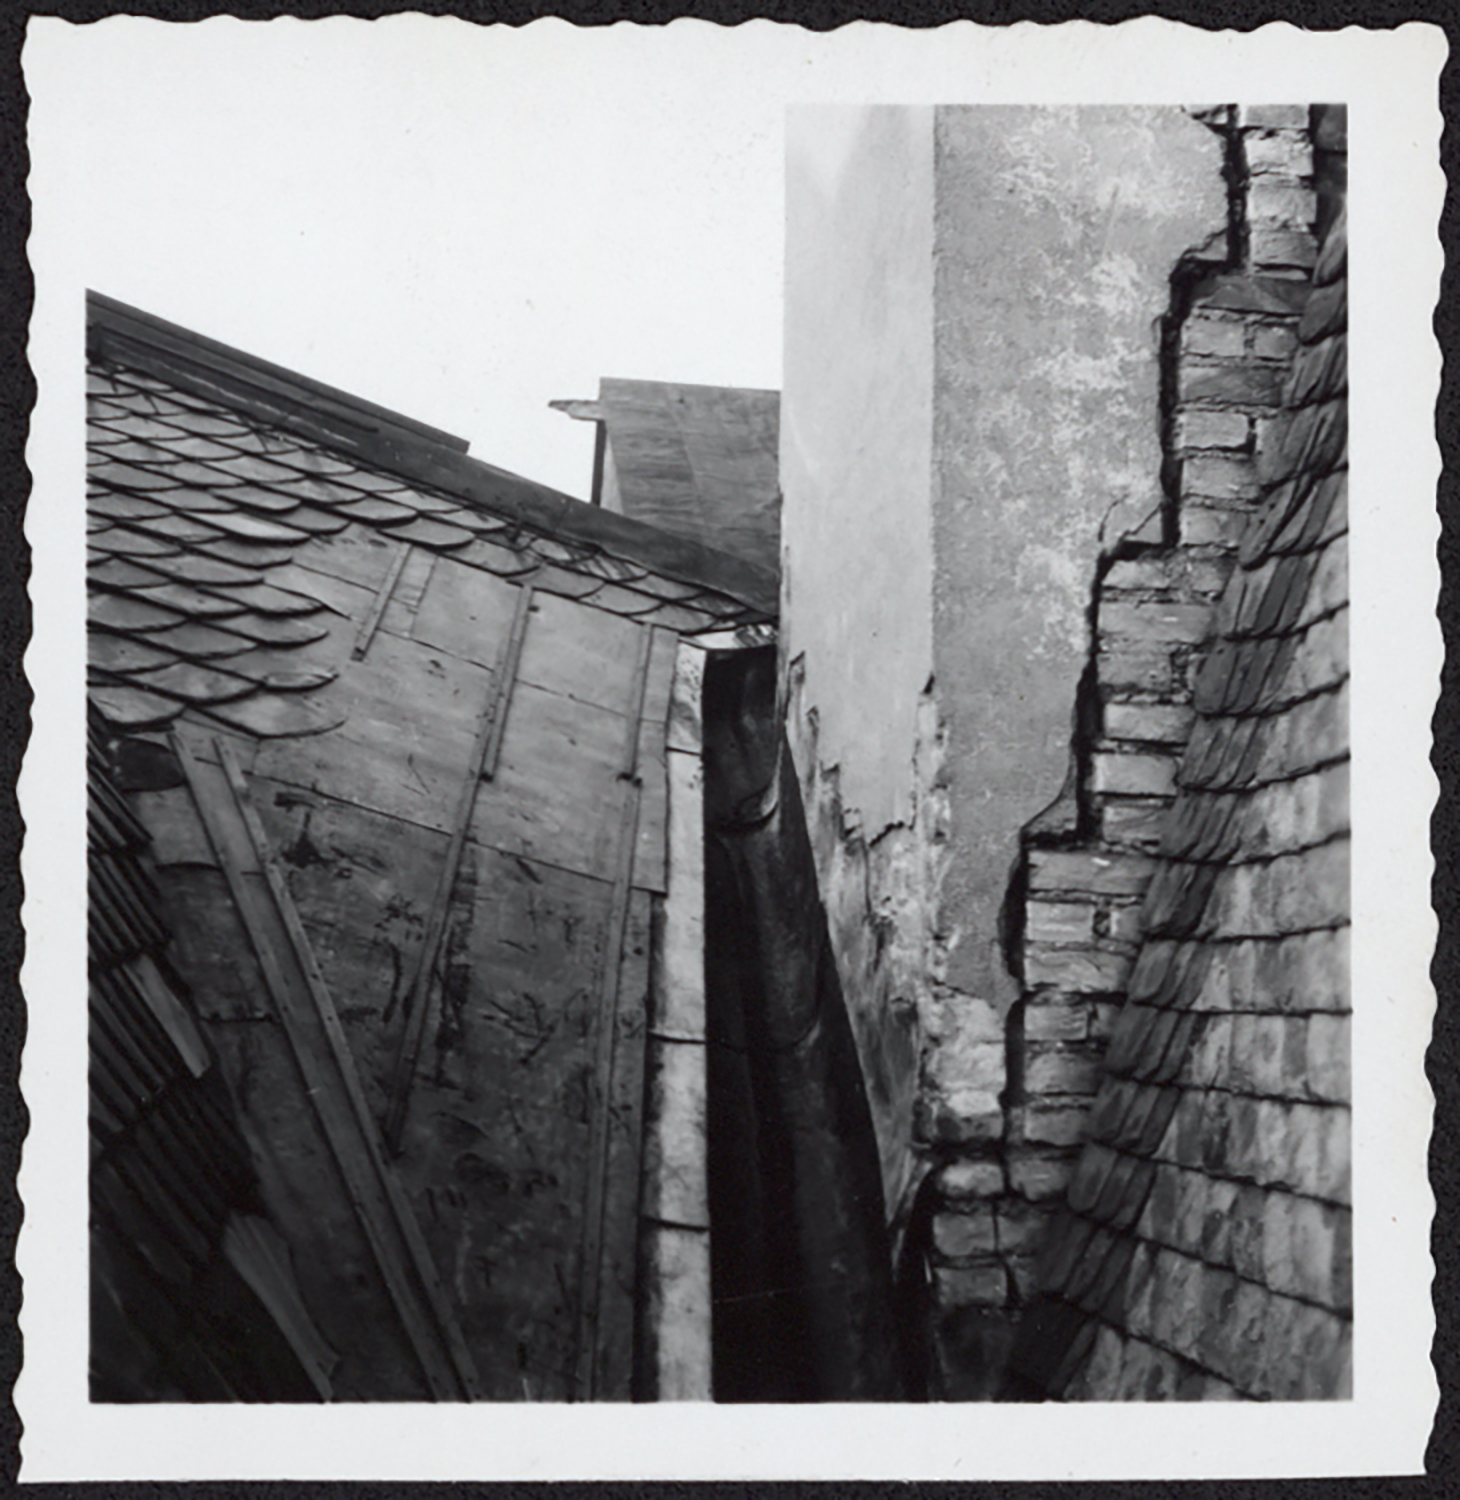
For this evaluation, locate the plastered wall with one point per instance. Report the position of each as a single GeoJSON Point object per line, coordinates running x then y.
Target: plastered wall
{"type": "Point", "coordinates": [856, 439]}
{"type": "Point", "coordinates": [971, 409]}
{"type": "Point", "coordinates": [1057, 231]}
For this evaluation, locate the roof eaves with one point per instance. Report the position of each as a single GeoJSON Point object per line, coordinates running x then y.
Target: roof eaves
{"type": "Point", "coordinates": [383, 439]}
{"type": "Point", "coordinates": [114, 329]}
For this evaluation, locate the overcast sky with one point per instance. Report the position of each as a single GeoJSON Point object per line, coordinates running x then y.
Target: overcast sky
{"type": "Point", "coordinates": [458, 223]}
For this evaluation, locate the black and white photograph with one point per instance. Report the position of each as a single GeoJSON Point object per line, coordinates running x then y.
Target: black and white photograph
{"type": "Point", "coordinates": [726, 757]}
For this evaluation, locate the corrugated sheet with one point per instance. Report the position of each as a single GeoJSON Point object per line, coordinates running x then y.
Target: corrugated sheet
{"type": "Point", "coordinates": [1205, 1246]}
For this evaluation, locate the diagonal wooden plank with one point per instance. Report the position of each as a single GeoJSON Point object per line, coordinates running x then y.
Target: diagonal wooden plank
{"type": "Point", "coordinates": [344, 1060]}
{"type": "Point", "coordinates": [506, 677]}
{"type": "Point", "coordinates": [222, 824]}
{"type": "Point", "coordinates": [371, 623]}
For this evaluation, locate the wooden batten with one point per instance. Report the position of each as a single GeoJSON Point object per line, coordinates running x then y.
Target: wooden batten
{"type": "Point", "coordinates": [481, 767]}
{"type": "Point", "coordinates": [371, 623]}
{"type": "Point", "coordinates": [673, 1332]}
{"type": "Point", "coordinates": [326, 1067]}
{"type": "Point", "coordinates": [605, 1031]}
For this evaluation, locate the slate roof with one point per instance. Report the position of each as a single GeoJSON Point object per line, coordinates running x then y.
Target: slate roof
{"type": "Point", "coordinates": [1204, 1249]}
{"type": "Point", "coordinates": [207, 495]}
{"type": "Point", "coordinates": [698, 461]}
{"type": "Point", "coordinates": [177, 1210]}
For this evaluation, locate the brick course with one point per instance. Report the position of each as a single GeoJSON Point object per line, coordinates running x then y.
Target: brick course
{"type": "Point", "coordinates": [1207, 1254]}
{"type": "Point", "coordinates": [1205, 1247]}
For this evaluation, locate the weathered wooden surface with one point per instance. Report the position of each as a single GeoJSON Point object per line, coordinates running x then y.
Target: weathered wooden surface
{"type": "Point", "coordinates": [402, 750]}
{"type": "Point", "coordinates": [363, 884]}
{"type": "Point", "coordinates": [498, 1138]}
{"type": "Point", "coordinates": [464, 611]}
{"type": "Point", "coordinates": [305, 1014]}
{"type": "Point", "coordinates": [675, 1190]}
{"type": "Point", "coordinates": [674, 1357]}
{"type": "Point", "coordinates": [603, 1038]}
{"type": "Point", "coordinates": [380, 603]}
{"type": "Point", "coordinates": [337, 1067]}
{"type": "Point", "coordinates": [581, 652]}
{"type": "Point", "coordinates": [495, 1145]}
{"type": "Point", "coordinates": [557, 776]}
{"type": "Point", "coordinates": [613, 1341]}
{"type": "Point", "coordinates": [481, 765]}
{"type": "Point", "coordinates": [337, 1273]}
{"type": "Point", "coordinates": [674, 1316]}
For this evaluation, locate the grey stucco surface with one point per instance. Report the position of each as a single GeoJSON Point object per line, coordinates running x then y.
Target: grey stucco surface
{"type": "Point", "coordinates": [1057, 231]}
{"type": "Point", "coordinates": [856, 439]}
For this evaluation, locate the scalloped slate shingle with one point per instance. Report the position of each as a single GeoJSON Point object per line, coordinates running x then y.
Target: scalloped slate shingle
{"type": "Point", "coordinates": [202, 525]}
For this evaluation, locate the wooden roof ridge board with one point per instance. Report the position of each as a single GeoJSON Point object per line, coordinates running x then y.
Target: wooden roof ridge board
{"type": "Point", "coordinates": [416, 453]}
{"type": "Point", "coordinates": [612, 385]}
{"type": "Point", "coordinates": [111, 321]}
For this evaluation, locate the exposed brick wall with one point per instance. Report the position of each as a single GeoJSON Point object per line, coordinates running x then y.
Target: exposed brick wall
{"type": "Point", "coordinates": [981, 1117]}
{"type": "Point", "coordinates": [1074, 923]}
{"type": "Point", "coordinates": [1204, 1246]}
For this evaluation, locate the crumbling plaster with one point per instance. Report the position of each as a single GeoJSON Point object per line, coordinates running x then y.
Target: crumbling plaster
{"type": "Point", "coordinates": [1056, 235]}
{"type": "Point", "coordinates": [971, 412]}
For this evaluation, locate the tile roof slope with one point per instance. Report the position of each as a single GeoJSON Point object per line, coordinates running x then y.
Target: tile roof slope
{"type": "Point", "coordinates": [199, 513]}
{"type": "Point", "coordinates": [176, 1204]}
{"type": "Point", "coordinates": [384, 441]}
{"type": "Point", "coordinates": [1204, 1249]}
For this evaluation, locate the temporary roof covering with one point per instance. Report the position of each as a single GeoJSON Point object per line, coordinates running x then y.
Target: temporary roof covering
{"type": "Point", "coordinates": [698, 461]}
{"type": "Point", "coordinates": [403, 729]}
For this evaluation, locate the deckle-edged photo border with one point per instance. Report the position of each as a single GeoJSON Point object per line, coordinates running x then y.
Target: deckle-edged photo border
{"type": "Point", "coordinates": [1388, 80]}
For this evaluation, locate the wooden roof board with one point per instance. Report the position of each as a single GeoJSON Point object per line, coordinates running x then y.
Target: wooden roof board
{"type": "Point", "coordinates": [251, 377]}
{"type": "Point", "coordinates": [416, 571]}
{"type": "Point", "coordinates": [613, 1332]}
{"type": "Point", "coordinates": [494, 1150]}
{"type": "Point", "coordinates": [337, 1274]}
{"type": "Point", "coordinates": [328, 1072]}
{"type": "Point", "coordinates": [556, 782]}
{"type": "Point", "coordinates": [363, 884]}
{"type": "Point", "coordinates": [578, 651]}
{"type": "Point", "coordinates": [699, 460]}
{"type": "Point", "coordinates": [406, 762]}
{"type": "Point", "coordinates": [465, 611]}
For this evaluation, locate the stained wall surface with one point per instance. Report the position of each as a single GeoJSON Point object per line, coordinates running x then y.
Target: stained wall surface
{"type": "Point", "coordinates": [971, 410]}
{"type": "Point", "coordinates": [1057, 232]}
{"type": "Point", "coordinates": [856, 435]}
